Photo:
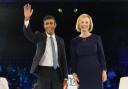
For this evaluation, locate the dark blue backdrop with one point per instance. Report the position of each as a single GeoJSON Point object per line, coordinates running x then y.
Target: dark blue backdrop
{"type": "Point", "coordinates": [110, 21]}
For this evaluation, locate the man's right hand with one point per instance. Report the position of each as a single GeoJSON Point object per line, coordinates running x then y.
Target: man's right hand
{"type": "Point", "coordinates": [27, 12]}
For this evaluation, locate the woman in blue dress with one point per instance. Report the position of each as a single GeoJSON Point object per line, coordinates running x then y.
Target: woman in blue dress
{"type": "Point", "coordinates": [88, 64]}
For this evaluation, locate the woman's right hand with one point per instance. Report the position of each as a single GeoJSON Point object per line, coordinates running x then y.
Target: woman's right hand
{"type": "Point", "coordinates": [76, 79]}
{"type": "Point", "coordinates": [27, 12]}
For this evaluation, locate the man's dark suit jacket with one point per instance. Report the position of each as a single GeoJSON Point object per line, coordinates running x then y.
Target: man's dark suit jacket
{"type": "Point", "coordinates": [40, 40]}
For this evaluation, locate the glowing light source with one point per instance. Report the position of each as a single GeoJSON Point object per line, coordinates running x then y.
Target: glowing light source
{"type": "Point", "coordinates": [60, 10]}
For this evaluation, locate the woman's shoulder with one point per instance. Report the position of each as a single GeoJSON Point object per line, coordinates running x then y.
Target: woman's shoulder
{"type": "Point", "coordinates": [75, 38]}
{"type": "Point", "coordinates": [96, 36]}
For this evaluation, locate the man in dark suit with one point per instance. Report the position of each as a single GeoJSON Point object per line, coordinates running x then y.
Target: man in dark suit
{"type": "Point", "coordinates": [50, 57]}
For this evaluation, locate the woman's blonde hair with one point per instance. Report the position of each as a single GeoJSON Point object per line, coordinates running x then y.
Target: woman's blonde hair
{"type": "Point", "coordinates": [81, 17]}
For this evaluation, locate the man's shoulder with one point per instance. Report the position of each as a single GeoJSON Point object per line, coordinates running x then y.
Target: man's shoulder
{"type": "Point", "coordinates": [38, 33]}
{"type": "Point", "coordinates": [58, 37]}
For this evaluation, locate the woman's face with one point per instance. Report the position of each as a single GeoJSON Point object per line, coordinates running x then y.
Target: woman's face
{"type": "Point", "coordinates": [84, 24]}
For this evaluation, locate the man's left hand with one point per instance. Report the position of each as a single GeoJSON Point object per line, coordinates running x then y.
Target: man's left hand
{"type": "Point", "coordinates": [65, 84]}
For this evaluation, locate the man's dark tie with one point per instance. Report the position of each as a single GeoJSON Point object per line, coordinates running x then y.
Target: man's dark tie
{"type": "Point", "coordinates": [53, 53]}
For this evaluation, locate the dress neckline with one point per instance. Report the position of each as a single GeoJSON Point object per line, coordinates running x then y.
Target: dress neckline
{"type": "Point", "coordinates": [84, 38]}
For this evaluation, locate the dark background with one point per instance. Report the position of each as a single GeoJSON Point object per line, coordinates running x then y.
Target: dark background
{"type": "Point", "coordinates": [110, 22]}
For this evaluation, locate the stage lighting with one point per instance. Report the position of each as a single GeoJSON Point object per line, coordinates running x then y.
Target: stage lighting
{"type": "Point", "coordinates": [60, 10]}
{"type": "Point", "coordinates": [75, 10]}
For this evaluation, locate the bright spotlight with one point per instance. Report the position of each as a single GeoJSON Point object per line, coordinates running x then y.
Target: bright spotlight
{"type": "Point", "coordinates": [75, 10]}
{"type": "Point", "coordinates": [60, 10]}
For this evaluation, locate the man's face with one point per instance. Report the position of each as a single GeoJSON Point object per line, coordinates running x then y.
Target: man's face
{"type": "Point", "coordinates": [49, 26]}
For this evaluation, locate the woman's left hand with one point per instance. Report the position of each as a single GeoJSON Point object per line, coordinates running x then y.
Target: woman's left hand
{"type": "Point", "coordinates": [104, 75]}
